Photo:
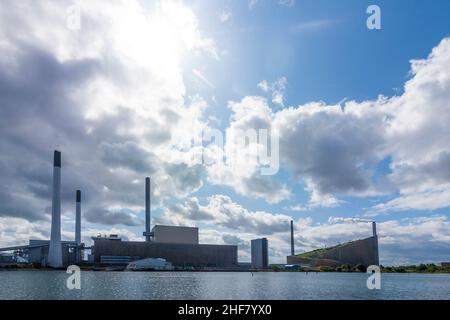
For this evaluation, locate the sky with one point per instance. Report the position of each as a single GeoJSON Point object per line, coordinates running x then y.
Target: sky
{"type": "Point", "coordinates": [358, 118]}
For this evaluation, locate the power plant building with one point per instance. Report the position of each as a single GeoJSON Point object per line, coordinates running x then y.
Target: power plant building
{"type": "Point", "coordinates": [171, 234]}
{"type": "Point", "coordinates": [176, 244]}
{"type": "Point", "coordinates": [260, 253]}
{"type": "Point", "coordinates": [38, 251]}
{"type": "Point", "coordinates": [115, 251]}
{"type": "Point", "coordinates": [359, 252]}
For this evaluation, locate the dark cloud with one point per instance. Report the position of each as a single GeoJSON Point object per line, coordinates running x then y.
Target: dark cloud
{"type": "Point", "coordinates": [235, 240]}
{"type": "Point", "coordinates": [127, 155]}
{"type": "Point", "coordinates": [107, 216]}
{"type": "Point", "coordinates": [338, 151]}
{"type": "Point", "coordinates": [186, 178]}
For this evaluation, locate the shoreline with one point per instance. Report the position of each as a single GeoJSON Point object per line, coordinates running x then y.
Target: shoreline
{"type": "Point", "coordinates": [3, 269]}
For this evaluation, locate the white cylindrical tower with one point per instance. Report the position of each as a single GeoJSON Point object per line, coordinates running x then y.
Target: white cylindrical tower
{"type": "Point", "coordinates": [147, 210]}
{"type": "Point", "coordinates": [292, 238]}
{"type": "Point", "coordinates": [55, 249]}
{"type": "Point", "coordinates": [78, 218]}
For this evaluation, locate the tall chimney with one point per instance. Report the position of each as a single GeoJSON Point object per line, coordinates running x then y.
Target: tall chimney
{"type": "Point", "coordinates": [292, 238]}
{"type": "Point", "coordinates": [55, 248]}
{"type": "Point", "coordinates": [78, 218]}
{"type": "Point", "coordinates": [376, 258]}
{"type": "Point", "coordinates": [147, 209]}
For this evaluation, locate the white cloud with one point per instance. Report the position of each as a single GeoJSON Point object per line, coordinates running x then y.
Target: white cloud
{"type": "Point", "coordinates": [284, 3]}
{"type": "Point", "coordinates": [335, 149]}
{"type": "Point", "coordinates": [276, 88]}
{"type": "Point", "coordinates": [225, 16]}
{"type": "Point", "coordinates": [242, 171]}
{"type": "Point", "coordinates": [435, 198]}
{"type": "Point", "coordinates": [221, 211]}
{"type": "Point", "coordinates": [264, 86]}
{"type": "Point", "coordinates": [297, 208]}
{"type": "Point", "coordinates": [252, 3]}
{"type": "Point", "coordinates": [287, 3]}
{"type": "Point", "coordinates": [311, 25]}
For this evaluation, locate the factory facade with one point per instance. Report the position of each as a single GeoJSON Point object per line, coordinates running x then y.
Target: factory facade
{"type": "Point", "coordinates": [108, 252]}
{"type": "Point", "coordinates": [178, 245]}
{"type": "Point", "coordinates": [359, 252]}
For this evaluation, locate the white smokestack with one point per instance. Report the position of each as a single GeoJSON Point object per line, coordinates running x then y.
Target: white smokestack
{"type": "Point", "coordinates": [292, 238]}
{"type": "Point", "coordinates": [374, 228]}
{"type": "Point", "coordinates": [55, 249]}
{"type": "Point", "coordinates": [147, 210]}
{"type": "Point", "coordinates": [78, 218]}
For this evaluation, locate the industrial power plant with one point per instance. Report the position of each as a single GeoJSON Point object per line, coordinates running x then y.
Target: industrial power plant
{"type": "Point", "coordinates": [178, 246]}
{"type": "Point", "coordinates": [360, 252]}
{"type": "Point", "coordinates": [171, 247]}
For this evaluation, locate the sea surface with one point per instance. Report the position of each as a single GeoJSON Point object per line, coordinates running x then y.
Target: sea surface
{"type": "Point", "coordinates": [221, 285]}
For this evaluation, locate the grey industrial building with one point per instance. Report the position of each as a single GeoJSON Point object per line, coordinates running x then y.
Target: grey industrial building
{"type": "Point", "coordinates": [260, 253]}
{"type": "Point", "coordinates": [359, 252]}
{"type": "Point", "coordinates": [178, 245]}
{"type": "Point", "coordinates": [171, 234]}
{"type": "Point", "coordinates": [109, 251]}
{"type": "Point", "coordinates": [38, 252]}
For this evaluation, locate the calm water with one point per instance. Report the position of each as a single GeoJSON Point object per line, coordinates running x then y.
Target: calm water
{"type": "Point", "coordinates": [224, 285]}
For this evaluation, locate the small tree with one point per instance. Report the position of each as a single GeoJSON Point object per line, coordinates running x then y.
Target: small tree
{"type": "Point", "coordinates": [422, 268]}
{"type": "Point", "coordinates": [346, 267]}
{"type": "Point", "coordinates": [360, 268]}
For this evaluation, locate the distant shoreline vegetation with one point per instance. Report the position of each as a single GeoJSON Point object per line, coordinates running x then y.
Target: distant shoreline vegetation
{"type": "Point", "coordinates": [421, 268]}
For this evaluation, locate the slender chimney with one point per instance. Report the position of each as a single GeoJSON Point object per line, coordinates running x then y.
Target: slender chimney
{"type": "Point", "coordinates": [78, 218]}
{"type": "Point", "coordinates": [292, 238]}
{"type": "Point", "coordinates": [376, 257]}
{"type": "Point", "coordinates": [147, 209]}
{"type": "Point", "coordinates": [55, 248]}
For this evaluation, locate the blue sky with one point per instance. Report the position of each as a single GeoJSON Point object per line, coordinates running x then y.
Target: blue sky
{"type": "Point", "coordinates": [363, 118]}
{"type": "Point", "coordinates": [327, 54]}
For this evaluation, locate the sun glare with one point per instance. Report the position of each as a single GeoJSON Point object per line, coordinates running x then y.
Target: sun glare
{"type": "Point", "coordinates": [159, 36]}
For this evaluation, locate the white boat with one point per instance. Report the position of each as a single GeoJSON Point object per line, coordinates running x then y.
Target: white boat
{"type": "Point", "coordinates": [150, 264]}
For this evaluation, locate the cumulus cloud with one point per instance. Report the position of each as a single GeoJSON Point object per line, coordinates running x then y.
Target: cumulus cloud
{"type": "Point", "coordinates": [222, 211]}
{"type": "Point", "coordinates": [276, 88]}
{"type": "Point", "coordinates": [110, 96]}
{"type": "Point", "coordinates": [225, 16]}
{"type": "Point", "coordinates": [314, 25]}
{"type": "Point", "coordinates": [112, 216]}
{"type": "Point", "coordinates": [335, 150]}
{"type": "Point", "coordinates": [417, 134]}
{"type": "Point", "coordinates": [287, 3]}
{"type": "Point", "coordinates": [242, 168]}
